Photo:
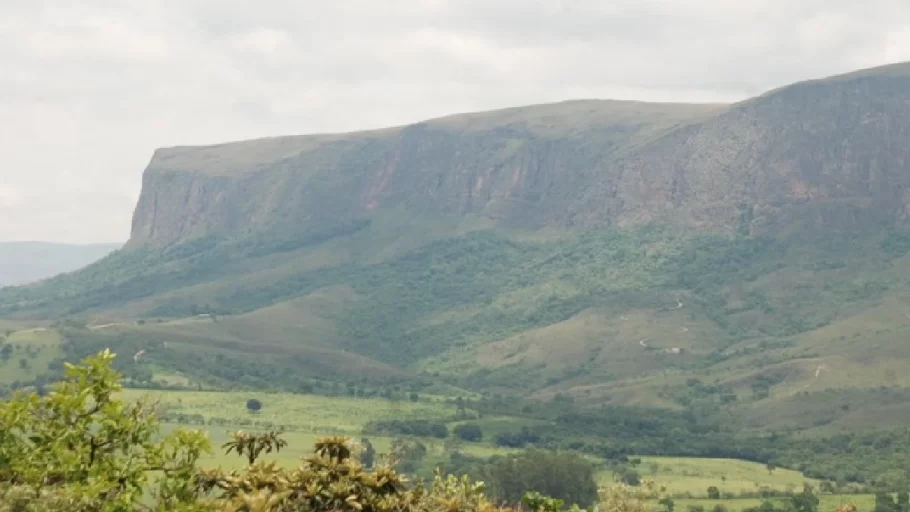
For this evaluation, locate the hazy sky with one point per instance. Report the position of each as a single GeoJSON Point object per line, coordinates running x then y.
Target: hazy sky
{"type": "Point", "coordinates": [89, 88]}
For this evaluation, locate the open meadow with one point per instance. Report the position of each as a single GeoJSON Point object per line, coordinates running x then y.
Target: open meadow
{"type": "Point", "coordinates": [27, 351]}
{"type": "Point", "coordinates": [827, 503]}
{"type": "Point", "coordinates": [316, 414]}
{"type": "Point", "coordinates": [693, 476]}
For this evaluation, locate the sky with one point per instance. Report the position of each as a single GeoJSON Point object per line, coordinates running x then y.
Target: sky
{"type": "Point", "coordinates": [90, 88]}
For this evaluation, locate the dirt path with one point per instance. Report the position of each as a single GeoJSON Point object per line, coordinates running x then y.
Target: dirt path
{"type": "Point", "coordinates": [103, 326]}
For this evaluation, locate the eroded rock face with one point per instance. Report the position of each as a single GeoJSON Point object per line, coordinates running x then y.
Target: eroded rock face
{"type": "Point", "coordinates": [830, 152]}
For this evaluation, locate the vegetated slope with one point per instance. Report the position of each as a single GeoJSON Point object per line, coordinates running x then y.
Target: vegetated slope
{"type": "Point", "coordinates": [24, 262]}
{"type": "Point", "coordinates": [729, 259]}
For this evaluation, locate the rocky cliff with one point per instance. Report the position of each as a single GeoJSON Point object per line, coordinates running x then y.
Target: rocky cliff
{"type": "Point", "coordinates": [832, 149]}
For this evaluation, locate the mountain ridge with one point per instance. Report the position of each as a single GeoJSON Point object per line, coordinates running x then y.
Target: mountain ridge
{"type": "Point", "coordinates": [586, 163]}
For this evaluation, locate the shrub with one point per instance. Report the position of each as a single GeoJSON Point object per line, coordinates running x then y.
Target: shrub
{"type": "Point", "coordinates": [253, 405]}
{"type": "Point", "coordinates": [415, 428]}
{"type": "Point", "coordinates": [468, 432]}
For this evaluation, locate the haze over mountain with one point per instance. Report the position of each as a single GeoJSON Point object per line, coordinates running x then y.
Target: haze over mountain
{"type": "Point", "coordinates": [607, 250]}
{"type": "Point", "coordinates": [25, 262]}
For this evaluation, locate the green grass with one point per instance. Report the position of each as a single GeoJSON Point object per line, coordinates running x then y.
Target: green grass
{"type": "Point", "coordinates": [37, 346]}
{"type": "Point", "coordinates": [827, 503]}
{"type": "Point", "coordinates": [305, 413]}
{"type": "Point", "coordinates": [693, 476]}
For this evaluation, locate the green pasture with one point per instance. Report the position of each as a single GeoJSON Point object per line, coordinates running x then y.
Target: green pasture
{"type": "Point", "coordinates": [304, 413]}
{"type": "Point", "coordinates": [827, 503]}
{"type": "Point", "coordinates": [31, 352]}
{"type": "Point", "coordinates": [693, 476]}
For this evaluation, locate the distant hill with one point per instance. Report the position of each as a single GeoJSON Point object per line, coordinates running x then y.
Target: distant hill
{"type": "Point", "coordinates": [25, 262]}
{"type": "Point", "coordinates": [745, 260]}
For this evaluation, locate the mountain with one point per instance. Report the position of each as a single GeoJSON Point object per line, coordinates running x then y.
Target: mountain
{"type": "Point", "coordinates": [744, 260]}
{"type": "Point", "coordinates": [24, 262]}
{"type": "Point", "coordinates": [575, 164]}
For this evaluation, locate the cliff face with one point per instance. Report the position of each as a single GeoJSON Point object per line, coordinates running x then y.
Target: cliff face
{"type": "Point", "coordinates": [831, 151]}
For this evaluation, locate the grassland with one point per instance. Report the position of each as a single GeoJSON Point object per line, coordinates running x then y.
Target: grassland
{"type": "Point", "coordinates": [32, 351]}
{"type": "Point", "coordinates": [827, 503]}
{"type": "Point", "coordinates": [685, 475]}
{"type": "Point", "coordinates": [303, 413]}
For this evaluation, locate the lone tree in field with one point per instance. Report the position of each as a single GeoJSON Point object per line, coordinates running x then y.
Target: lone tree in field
{"type": "Point", "coordinates": [253, 405]}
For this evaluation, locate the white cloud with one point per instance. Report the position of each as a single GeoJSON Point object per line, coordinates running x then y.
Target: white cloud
{"type": "Point", "coordinates": [90, 89]}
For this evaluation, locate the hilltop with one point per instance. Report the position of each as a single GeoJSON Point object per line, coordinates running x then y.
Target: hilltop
{"type": "Point", "coordinates": [745, 261]}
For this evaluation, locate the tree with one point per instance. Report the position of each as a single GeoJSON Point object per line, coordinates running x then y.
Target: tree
{"type": "Point", "coordinates": [668, 504]}
{"type": "Point", "coordinates": [770, 467]}
{"type": "Point", "coordinates": [409, 454]}
{"type": "Point", "coordinates": [630, 477]}
{"type": "Point", "coordinates": [713, 493]}
{"type": "Point", "coordinates": [461, 412]}
{"type": "Point", "coordinates": [79, 448]}
{"type": "Point", "coordinates": [368, 454]}
{"type": "Point", "coordinates": [884, 502]}
{"type": "Point", "coordinates": [564, 476]}
{"type": "Point", "coordinates": [253, 405]}
{"type": "Point", "coordinates": [468, 432]}
{"type": "Point", "coordinates": [903, 501]}
{"type": "Point", "coordinates": [805, 501]}
{"type": "Point", "coordinates": [414, 397]}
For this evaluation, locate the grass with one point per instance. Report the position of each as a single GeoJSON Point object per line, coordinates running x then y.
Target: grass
{"type": "Point", "coordinates": [37, 347]}
{"type": "Point", "coordinates": [827, 503]}
{"type": "Point", "coordinates": [682, 475]}
{"type": "Point", "coordinates": [304, 413]}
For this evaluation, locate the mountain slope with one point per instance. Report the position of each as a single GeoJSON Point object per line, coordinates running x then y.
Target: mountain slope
{"type": "Point", "coordinates": [24, 262]}
{"type": "Point", "coordinates": [611, 251]}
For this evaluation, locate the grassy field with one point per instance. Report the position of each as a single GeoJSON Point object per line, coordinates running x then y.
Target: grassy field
{"type": "Point", "coordinates": [301, 413]}
{"type": "Point", "coordinates": [827, 503]}
{"type": "Point", "coordinates": [36, 347]}
{"type": "Point", "coordinates": [693, 476]}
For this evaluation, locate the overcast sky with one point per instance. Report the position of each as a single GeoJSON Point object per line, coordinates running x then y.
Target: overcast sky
{"type": "Point", "coordinates": [89, 88]}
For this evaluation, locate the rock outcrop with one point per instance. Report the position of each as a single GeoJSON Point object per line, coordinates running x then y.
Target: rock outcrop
{"type": "Point", "coordinates": [827, 151]}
